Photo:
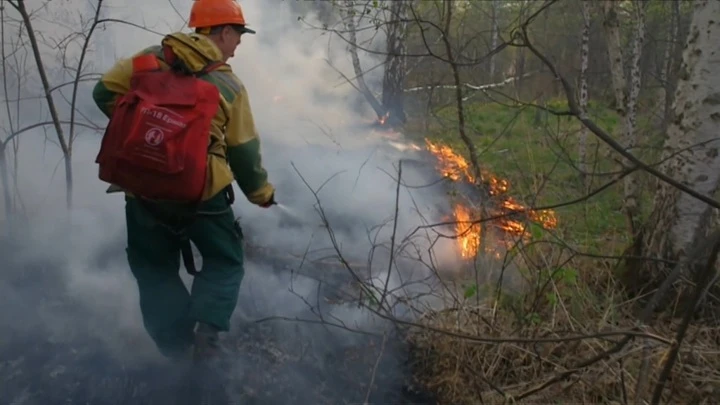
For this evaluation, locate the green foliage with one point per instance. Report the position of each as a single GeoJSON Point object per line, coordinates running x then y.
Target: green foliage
{"type": "Point", "coordinates": [536, 152]}
{"type": "Point", "coordinates": [470, 291]}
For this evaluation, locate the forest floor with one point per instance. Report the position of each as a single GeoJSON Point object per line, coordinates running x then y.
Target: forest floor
{"type": "Point", "coordinates": [51, 350]}
{"type": "Point", "coordinates": [55, 349]}
{"type": "Point", "coordinates": [571, 273]}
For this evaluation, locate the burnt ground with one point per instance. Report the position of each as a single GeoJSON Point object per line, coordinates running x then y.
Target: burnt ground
{"type": "Point", "coordinates": [272, 361]}
{"type": "Point", "coordinates": [54, 344]}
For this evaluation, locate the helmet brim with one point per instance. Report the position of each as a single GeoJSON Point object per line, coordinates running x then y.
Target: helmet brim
{"type": "Point", "coordinates": [243, 29]}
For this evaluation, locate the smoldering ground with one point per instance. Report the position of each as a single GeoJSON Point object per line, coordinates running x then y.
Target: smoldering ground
{"type": "Point", "coordinates": [71, 324]}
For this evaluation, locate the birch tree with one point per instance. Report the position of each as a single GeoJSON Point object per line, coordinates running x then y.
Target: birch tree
{"type": "Point", "coordinates": [494, 37]}
{"type": "Point", "coordinates": [626, 94]}
{"type": "Point", "coordinates": [395, 61]}
{"type": "Point", "coordinates": [351, 17]}
{"type": "Point", "coordinates": [692, 148]}
{"type": "Point", "coordinates": [392, 17]}
{"type": "Point", "coordinates": [66, 129]}
{"type": "Point", "coordinates": [668, 75]}
{"type": "Point", "coordinates": [10, 122]}
{"type": "Point", "coordinates": [584, 60]}
{"type": "Point", "coordinates": [520, 51]}
{"type": "Point", "coordinates": [47, 90]}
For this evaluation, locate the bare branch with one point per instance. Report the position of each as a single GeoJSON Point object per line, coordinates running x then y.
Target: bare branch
{"type": "Point", "coordinates": [604, 136]}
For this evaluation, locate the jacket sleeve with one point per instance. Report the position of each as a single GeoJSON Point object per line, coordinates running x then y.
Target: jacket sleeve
{"type": "Point", "coordinates": [115, 82]}
{"type": "Point", "coordinates": [112, 84]}
{"type": "Point", "coordinates": [243, 151]}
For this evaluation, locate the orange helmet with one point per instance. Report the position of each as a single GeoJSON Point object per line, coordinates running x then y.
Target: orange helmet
{"type": "Point", "coordinates": [210, 13]}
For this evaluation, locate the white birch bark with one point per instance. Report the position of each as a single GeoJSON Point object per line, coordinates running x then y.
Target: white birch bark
{"type": "Point", "coordinates": [584, 57]}
{"type": "Point", "coordinates": [611, 24]}
{"type": "Point", "coordinates": [631, 186]}
{"type": "Point", "coordinates": [669, 68]}
{"type": "Point", "coordinates": [495, 35]}
{"type": "Point", "coordinates": [693, 137]}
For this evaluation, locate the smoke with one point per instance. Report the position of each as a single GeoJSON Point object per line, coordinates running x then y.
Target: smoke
{"type": "Point", "coordinates": [67, 274]}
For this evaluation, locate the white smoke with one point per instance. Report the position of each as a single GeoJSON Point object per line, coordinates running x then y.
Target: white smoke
{"type": "Point", "coordinates": [308, 125]}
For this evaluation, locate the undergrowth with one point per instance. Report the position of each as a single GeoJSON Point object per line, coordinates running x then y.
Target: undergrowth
{"type": "Point", "coordinates": [571, 283]}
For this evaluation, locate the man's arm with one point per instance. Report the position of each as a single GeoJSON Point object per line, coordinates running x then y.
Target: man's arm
{"type": "Point", "coordinates": [115, 82]}
{"type": "Point", "coordinates": [244, 154]}
{"type": "Point", "coordinates": [111, 85]}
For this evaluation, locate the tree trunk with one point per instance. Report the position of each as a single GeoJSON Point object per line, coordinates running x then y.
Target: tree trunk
{"type": "Point", "coordinates": [583, 100]}
{"type": "Point", "coordinates": [520, 55]}
{"type": "Point", "coordinates": [5, 183]}
{"type": "Point", "coordinates": [49, 98]}
{"type": "Point", "coordinates": [669, 70]}
{"type": "Point", "coordinates": [395, 64]}
{"type": "Point", "coordinates": [630, 183]}
{"type": "Point", "coordinates": [351, 27]}
{"type": "Point", "coordinates": [494, 38]}
{"type": "Point", "coordinates": [472, 150]}
{"type": "Point", "coordinates": [4, 176]}
{"type": "Point", "coordinates": [626, 99]}
{"type": "Point", "coordinates": [611, 25]}
{"type": "Point", "coordinates": [691, 150]}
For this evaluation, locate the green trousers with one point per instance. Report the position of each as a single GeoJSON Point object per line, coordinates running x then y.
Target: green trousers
{"type": "Point", "coordinates": [169, 310]}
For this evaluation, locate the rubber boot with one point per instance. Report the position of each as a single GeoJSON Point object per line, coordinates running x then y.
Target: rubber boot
{"type": "Point", "coordinates": [207, 384]}
{"type": "Point", "coordinates": [208, 348]}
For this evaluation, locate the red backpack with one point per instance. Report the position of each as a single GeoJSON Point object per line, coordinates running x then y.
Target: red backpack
{"type": "Point", "coordinates": [156, 143]}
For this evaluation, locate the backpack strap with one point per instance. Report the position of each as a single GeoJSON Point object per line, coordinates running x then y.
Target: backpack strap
{"type": "Point", "coordinates": [176, 64]}
{"type": "Point", "coordinates": [211, 66]}
{"type": "Point", "coordinates": [172, 59]}
{"type": "Point", "coordinates": [178, 224]}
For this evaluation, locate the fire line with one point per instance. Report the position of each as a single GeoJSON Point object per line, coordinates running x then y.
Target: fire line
{"type": "Point", "coordinates": [453, 166]}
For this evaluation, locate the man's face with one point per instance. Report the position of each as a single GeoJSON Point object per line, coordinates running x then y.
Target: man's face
{"type": "Point", "coordinates": [228, 41]}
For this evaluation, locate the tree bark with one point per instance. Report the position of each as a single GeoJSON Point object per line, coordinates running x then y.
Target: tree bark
{"type": "Point", "coordinates": [5, 183]}
{"type": "Point", "coordinates": [50, 101]}
{"type": "Point", "coordinates": [630, 183]}
{"type": "Point", "coordinates": [393, 100]}
{"type": "Point", "coordinates": [626, 94]}
{"type": "Point", "coordinates": [691, 150]}
{"type": "Point", "coordinates": [669, 71]}
{"type": "Point", "coordinates": [520, 55]}
{"type": "Point", "coordinates": [611, 24]}
{"type": "Point", "coordinates": [494, 38]}
{"type": "Point", "coordinates": [583, 99]}
{"type": "Point", "coordinates": [351, 27]}
{"type": "Point", "coordinates": [472, 150]}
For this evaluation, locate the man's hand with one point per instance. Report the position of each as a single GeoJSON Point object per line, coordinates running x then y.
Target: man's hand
{"type": "Point", "coordinates": [269, 203]}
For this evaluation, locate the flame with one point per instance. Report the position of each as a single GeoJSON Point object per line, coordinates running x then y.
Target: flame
{"type": "Point", "coordinates": [468, 233]}
{"type": "Point", "coordinates": [450, 164]}
{"type": "Point", "coordinates": [382, 120]}
{"type": "Point", "coordinates": [456, 168]}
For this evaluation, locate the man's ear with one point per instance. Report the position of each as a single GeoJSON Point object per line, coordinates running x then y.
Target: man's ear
{"type": "Point", "coordinates": [227, 31]}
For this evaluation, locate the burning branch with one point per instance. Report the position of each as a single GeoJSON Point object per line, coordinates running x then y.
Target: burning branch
{"type": "Point", "coordinates": [454, 167]}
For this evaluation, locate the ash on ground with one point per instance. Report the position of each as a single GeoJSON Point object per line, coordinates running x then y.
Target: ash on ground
{"type": "Point", "coordinates": [51, 352]}
{"type": "Point", "coordinates": [72, 333]}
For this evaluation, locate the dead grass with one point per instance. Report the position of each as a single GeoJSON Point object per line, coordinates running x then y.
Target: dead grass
{"type": "Point", "coordinates": [570, 289]}
{"type": "Point", "coordinates": [462, 371]}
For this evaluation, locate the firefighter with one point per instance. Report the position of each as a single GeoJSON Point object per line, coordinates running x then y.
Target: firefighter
{"type": "Point", "coordinates": [184, 323]}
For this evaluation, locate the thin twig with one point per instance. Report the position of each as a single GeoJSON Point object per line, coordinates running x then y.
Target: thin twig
{"type": "Point", "coordinates": [374, 370]}
{"type": "Point", "coordinates": [703, 277]}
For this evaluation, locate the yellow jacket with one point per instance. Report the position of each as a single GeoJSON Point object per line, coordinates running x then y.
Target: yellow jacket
{"type": "Point", "coordinates": [235, 154]}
